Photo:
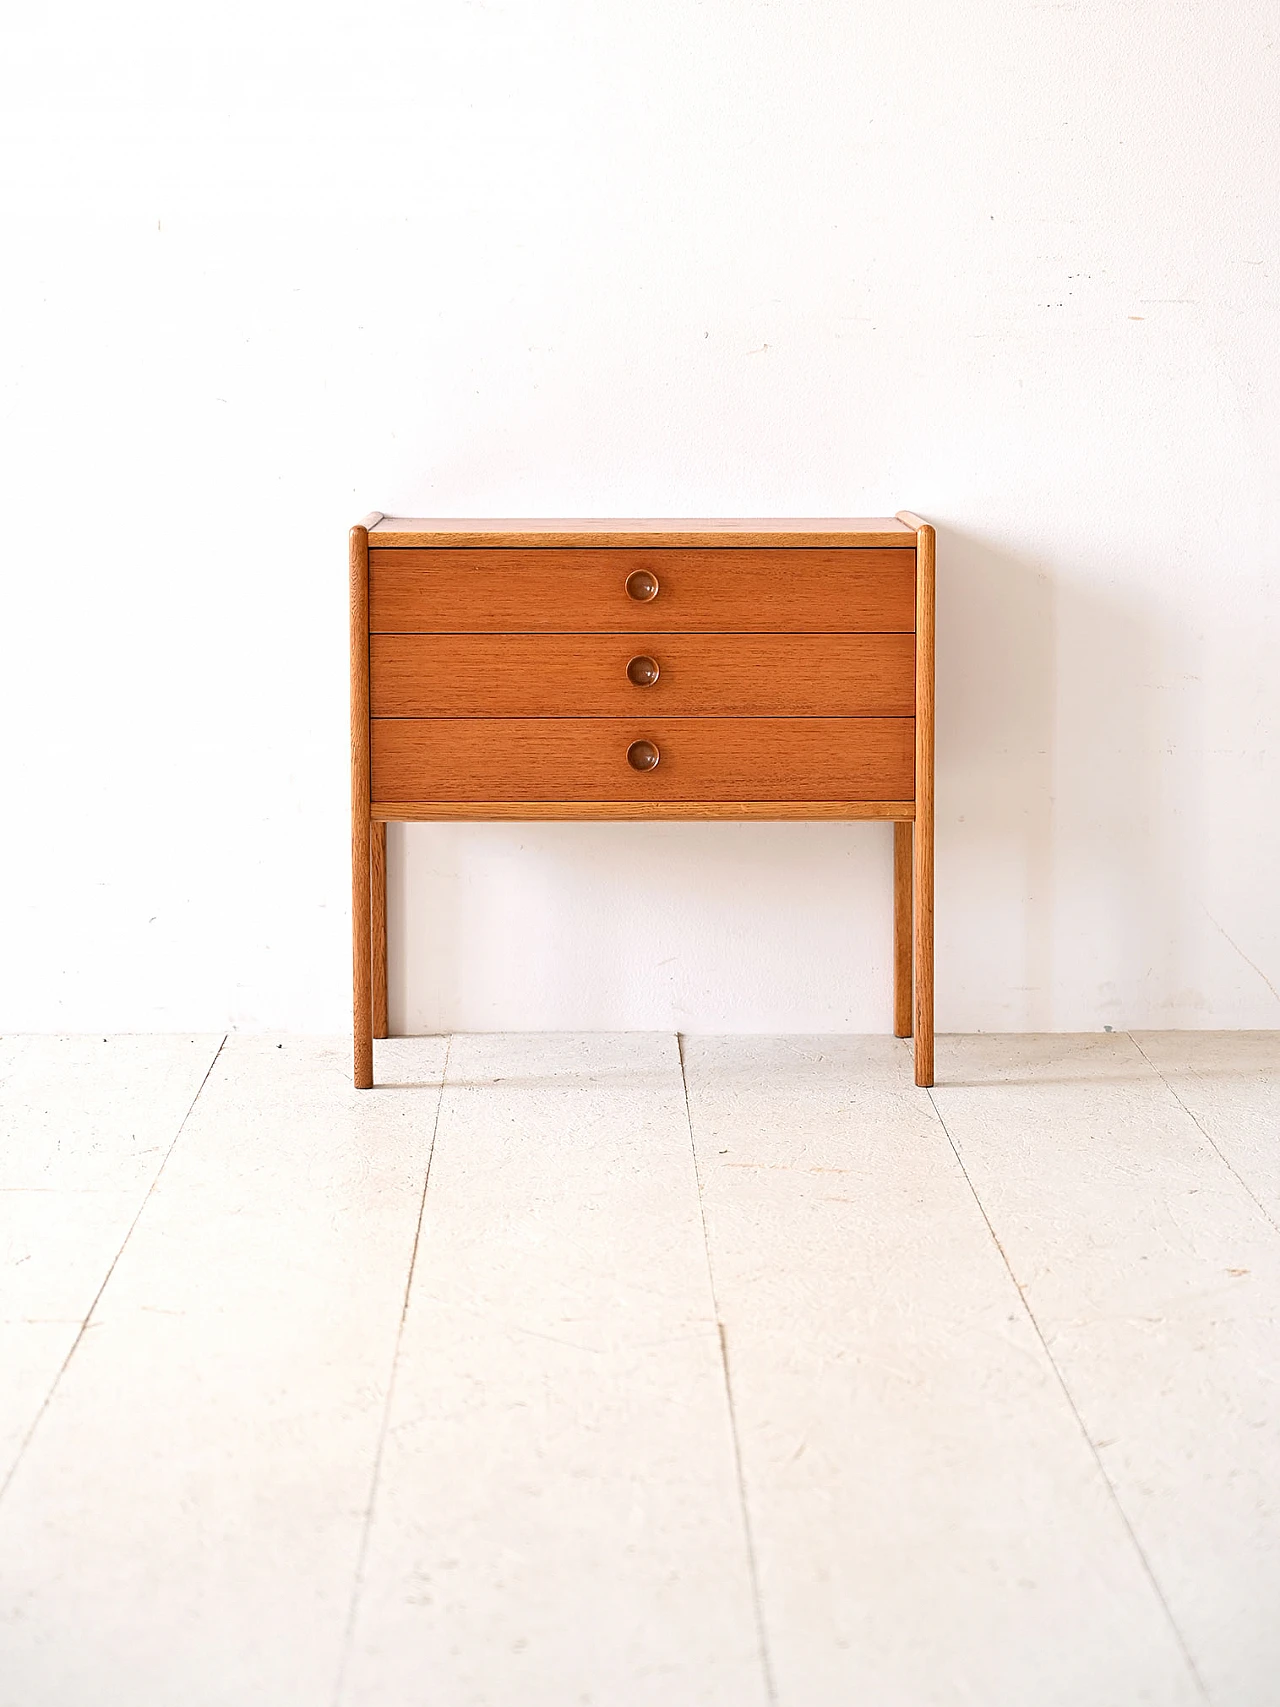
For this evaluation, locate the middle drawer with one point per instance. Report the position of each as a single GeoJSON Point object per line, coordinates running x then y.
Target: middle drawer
{"type": "Point", "coordinates": [587, 675]}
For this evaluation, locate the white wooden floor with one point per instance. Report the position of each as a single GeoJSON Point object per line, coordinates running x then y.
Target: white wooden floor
{"type": "Point", "coordinates": [564, 1370]}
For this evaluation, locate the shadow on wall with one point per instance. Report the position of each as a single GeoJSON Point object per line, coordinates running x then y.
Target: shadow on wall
{"type": "Point", "coordinates": [1067, 765]}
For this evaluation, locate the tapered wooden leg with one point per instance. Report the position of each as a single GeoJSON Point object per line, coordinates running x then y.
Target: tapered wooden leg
{"type": "Point", "coordinates": [922, 932]}
{"type": "Point", "coordinates": [378, 940]}
{"type": "Point", "coordinates": [361, 862]}
{"type": "Point", "coordinates": [922, 825]}
{"type": "Point", "coordinates": [902, 928]}
{"type": "Point", "coordinates": [361, 953]}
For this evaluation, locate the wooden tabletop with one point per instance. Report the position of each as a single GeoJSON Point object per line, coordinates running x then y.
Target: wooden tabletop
{"type": "Point", "coordinates": [878, 531]}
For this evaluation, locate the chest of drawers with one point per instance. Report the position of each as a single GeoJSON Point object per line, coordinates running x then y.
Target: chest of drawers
{"type": "Point", "coordinates": [643, 669]}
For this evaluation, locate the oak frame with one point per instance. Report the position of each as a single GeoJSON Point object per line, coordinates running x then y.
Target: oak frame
{"type": "Point", "coordinates": [913, 820]}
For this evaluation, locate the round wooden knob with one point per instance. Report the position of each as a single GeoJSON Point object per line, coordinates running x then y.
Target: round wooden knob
{"type": "Point", "coordinates": [643, 672]}
{"type": "Point", "coordinates": [642, 584]}
{"type": "Point", "coordinates": [643, 756]}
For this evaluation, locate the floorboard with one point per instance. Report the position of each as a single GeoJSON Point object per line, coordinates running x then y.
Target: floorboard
{"type": "Point", "coordinates": [185, 1524]}
{"type": "Point", "coordinates": [1229, 1082]}
{"type": "Point", "coordinates": [930, 1524]}
{"type": "Point", "coordinates": [558, 1518]}
{"type": "Point", "coordinates": [85, 1125]}
{"type": "Point", "coordinates": [1155, 1279]}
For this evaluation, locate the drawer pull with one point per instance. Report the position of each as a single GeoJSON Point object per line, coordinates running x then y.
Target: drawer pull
{"type": "Point", "coordinates": [643, 756]}
{"type": "Point", "coordinates": [642, 584]}
{"type": "Point", "coordinates": [643, 672]}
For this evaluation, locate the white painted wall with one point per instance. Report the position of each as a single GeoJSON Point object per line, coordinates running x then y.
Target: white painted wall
{"type": "Point", "coordinates": [270, 266]}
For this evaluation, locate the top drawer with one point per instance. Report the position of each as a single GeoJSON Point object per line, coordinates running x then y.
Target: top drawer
{"type": "Point", "coordinates": [766, 591]}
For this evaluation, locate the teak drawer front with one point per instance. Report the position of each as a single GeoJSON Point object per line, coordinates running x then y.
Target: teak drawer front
{"type": "Point", "coordinates": [756, 591]}
{"type": "Point", "coordinates": [585, 758]}
{"type": "Point", "coordinates": [708, 675]}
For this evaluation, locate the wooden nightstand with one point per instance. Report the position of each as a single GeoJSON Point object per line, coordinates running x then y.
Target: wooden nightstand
{"type": "Point", "coordinates": [643, 669]}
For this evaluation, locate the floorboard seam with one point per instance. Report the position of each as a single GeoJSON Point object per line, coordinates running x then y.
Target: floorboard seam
{"type": "Point", "coordinates": [766, 1663]}
{"type": "Point", "coordinates": [88, 1315]}
{"type": "Point", "coordinates": [1156, 1589]}
{"type": "Point", "coordinates": [1239, 1178]}
{"type": "Point", "coordinates": [366, 1530]}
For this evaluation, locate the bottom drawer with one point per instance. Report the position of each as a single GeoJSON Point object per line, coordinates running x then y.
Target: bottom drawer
{"type": "Point", "coordinates": [698, 758]}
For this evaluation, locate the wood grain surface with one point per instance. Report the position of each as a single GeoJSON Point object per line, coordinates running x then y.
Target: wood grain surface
{"type": "Point", "coordinates": [585, 758]}
{"type": "Point", "coordinates": [725, 675]}
{"type": "Point", "coordinates": [795, 679]}
{"type": "Point", "coordinates": [773, 530]}
{"type": "Point", "coordinates": [638, 811]}
{"type": "Point", "coordinates": [922, 834]}
{"type": "Point", "coordinates": [361, 910]}
{"type": "Point", "coordinates": [756, 591]}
